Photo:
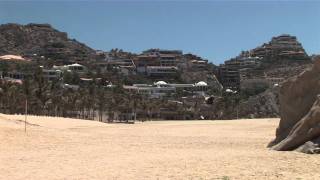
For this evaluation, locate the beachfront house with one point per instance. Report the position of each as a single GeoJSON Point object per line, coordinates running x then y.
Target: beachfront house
{"type": "Point", "coordinates": [77, 68]}
{"type": "Point", "coordinates": [161, 89]}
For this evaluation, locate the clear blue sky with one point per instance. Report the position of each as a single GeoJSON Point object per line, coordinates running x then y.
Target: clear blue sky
{"type": "Point", "coordinates": [215, 30]}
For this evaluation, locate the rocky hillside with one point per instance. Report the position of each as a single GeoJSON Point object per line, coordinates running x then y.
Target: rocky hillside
{"type": "Point", "coordinates": [262, 105]}
{"type": "Point", "coordinates": [271, 63]}
{"type": "Point", "coordinates": [283, 56]}
{"type": "Point", "coordinates": [265, 104]}
{"type": "Point", "coordinates": [281, 48]}
{"type": "Point", "coordinates": [42, 40]}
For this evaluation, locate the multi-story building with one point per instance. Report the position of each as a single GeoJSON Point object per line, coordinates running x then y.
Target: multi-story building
{"type": "Point", "coordinates": [157, 62]}
{"type": "Point", "coordinates": [198, 64]}
{"type": "Point", "coordinates": [15, 75]}
{"type": "Point", "coordinates": [233, 71]}
{"type": "Point", "coordinates": [163, 51]}
{"type": "Point", "coordinates": [120, 62]}
{"type": "Point", "coordinates": [143, 61]}
{"type": "Point", "coordinates": [161, 88]}
{"type": "Point", "coordinates": [229, 76]}
{"type": "Point", "coordinates": [168, 60]}
{"type": "Point", "coordinates": [150, 90]}
{"type": "Point", "coordinates": [124, 65]}
{"type": "Point", "coordinates": [161, 71]}
{"type": "Point", "coordinates": [51, 74]}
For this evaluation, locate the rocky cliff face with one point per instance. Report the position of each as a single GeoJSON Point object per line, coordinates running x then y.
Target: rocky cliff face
{"type": "Point", "coordinates": [299, 127]}
{"type": "Point", "coordinates": [43, 40]}
{"type": "Point", "coordinates": [263, 105]}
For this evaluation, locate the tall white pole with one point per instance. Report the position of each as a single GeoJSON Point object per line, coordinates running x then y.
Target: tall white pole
{"type": "Point", "coordinates": [25, 118]}
{"type": "Point", "coordinates": [238, 112]}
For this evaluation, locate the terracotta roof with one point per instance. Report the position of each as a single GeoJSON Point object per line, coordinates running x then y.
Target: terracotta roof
{"type": "Point", "coordinates": [12, 57]}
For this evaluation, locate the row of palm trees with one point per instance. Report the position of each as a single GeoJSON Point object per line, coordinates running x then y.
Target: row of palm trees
{"type": "Point", "coordinates": [49, 98]}
{"type": "Point", "coordinates": [92, 101]}
{"type": "Point", "coordinates": [95, 100]}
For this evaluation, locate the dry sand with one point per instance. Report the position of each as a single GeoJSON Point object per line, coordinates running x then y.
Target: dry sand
{"type": "Point", "coordinates": [59, 148]}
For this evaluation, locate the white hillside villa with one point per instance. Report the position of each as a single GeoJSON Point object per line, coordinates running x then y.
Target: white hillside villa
{"type": "Point", "coordinates": [78, 68]}
{"type": "Point", "coordinates": [160, 89]}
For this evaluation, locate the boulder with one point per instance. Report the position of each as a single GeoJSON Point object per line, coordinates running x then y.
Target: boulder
{"type": "Point", "coordinates": [299, 99]}
{"type": "Point", "coordinates": [310, 147]}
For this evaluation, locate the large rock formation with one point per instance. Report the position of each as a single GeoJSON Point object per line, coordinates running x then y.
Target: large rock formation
{"type": "Point", "coordinates": [299, 127]}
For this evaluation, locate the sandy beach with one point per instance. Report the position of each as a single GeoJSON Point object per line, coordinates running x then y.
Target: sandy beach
{"type": "Point", "coordinates": [61, 148]}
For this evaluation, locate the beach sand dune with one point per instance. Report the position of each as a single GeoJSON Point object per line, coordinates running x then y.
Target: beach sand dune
{"type": "Point", "coordinates": [61, 148]}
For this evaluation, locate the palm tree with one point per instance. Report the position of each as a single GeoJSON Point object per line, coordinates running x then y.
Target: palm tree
{"type": "Point", "coordinates": [14, 96]}
{"type": "Point", "coordinates": [101, 101]}
{"type": "Point", "coordinates": [42, 91]}
{"type": "Point", "coordinates": [4, 98]}
{"type": "Point", "coordinates": [134, 102]}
